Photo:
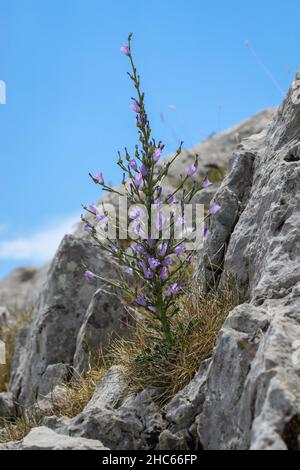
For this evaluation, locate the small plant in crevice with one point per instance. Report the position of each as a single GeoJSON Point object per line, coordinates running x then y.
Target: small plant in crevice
{"type": "Point", "coordinates": [170, 367]}
{"type": "Point", "coordinates": [154, 263]}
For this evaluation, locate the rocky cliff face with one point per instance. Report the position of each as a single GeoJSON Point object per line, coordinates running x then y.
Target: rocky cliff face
{"type": "Point", "coordinates": [253, 383]}
{"type": "Point", "coordinates": [47, 345]}
{"type": "Point", "coordinates": [245, 396]}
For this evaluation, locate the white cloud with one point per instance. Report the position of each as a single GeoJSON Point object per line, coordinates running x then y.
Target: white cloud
{"type": "Point", "coordinates": [39, 246]}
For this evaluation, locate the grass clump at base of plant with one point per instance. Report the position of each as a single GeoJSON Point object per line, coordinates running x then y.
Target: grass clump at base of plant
{"type": "Point", "coordinates": [148, 361]}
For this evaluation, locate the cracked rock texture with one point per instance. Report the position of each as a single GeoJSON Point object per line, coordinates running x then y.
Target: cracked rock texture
{"type": "Point", "coordinates": [45, 348]}
{"type": "Point", "coordinates": [252, 387]}
{"type": "Point", "coordinates": [43, 438]}
{"type": "Point", "coordinates": [134, 422]}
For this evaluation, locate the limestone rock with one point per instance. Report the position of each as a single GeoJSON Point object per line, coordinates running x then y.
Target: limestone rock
{"type": "Point", "coordinates": [104, 319]}
{"type": "Point", "coordinates": [136, 424]}
{"type": "Point", "coordinates": [109, 390]}
{"type": "Point", "coordinates": [7, 405]}
{"type": "Point", "coordinates": [54, 375]}
{"type": "Point", "coordinates": [120, 423]}
{"type": "Point", "coordinates": [50, 338]}
{"type": "Point", "coordinates": [43, 438]}
{"type": "Point", "coordinates": [215, 151]}
{"type": "Point", "coordinates": [181, 412]}
{"type": "Point", "coordinates": [252, 388]}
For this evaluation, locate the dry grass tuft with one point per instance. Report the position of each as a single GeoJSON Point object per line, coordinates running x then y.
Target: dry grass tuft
{"type": "Point", "coordinates": [77, 393]}
{"type": "Point", "coordinates": [74, 397]}
{"type": "Point", "coordinates": [15, 429]}
{"type": "Point", "coordinates": [149, 362]}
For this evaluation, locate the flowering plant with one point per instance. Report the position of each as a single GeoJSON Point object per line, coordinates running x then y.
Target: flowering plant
{"type": "Point", "coordinates": [153, 265]}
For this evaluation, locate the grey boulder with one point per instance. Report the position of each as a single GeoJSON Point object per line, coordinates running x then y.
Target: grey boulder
{"type": "Point", "coordinates": [7, 405]}
{"type": "Point", "coordinates": [43, 438]}
{"type": "Point", "coordinates": [46, 346]}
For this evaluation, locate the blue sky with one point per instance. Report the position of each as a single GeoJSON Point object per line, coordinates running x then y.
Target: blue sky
{"type": "Point", "coordinates": [67, 110]}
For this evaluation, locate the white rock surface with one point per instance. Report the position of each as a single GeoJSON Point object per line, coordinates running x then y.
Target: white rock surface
{"type": "Point", "coordinates": [253, 384]}
{"type": "Point", "coordinates": [46, 347]}
{"type": "Point", "coordinates": [43, 438]}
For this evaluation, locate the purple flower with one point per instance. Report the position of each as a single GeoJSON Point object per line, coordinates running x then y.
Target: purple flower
{"type": "Point", "coordinates": [151, 242]}
{"type": "Point", "coordinates": [132, 164]}
{"type": "Point", "coordinates": [99, 178]}
{"type": "Point", "coordinates": [144, 170]}
{"type": "Point", "coordinates": [141, 300]}
{"type": "Point", "coordinates": [173, 289]}
{"type": "Point", "coordinates": [125, 49]}
{"type": "Point", "coordinates": [206, 233]}
{"type": "Point", "coordinates": [88, 228]}
{"type": "Point", "coordinates": [135, 213]}
{"type": "Point", "coordinates": [148, 274]}
{"type": "Point", "coordinates": [141, 119]}
{"type": "Point", "coordinates": [157, 154]}
{"type": "Point", "coordinates": [167, 261]}
{"type": "Point", "coordinates": [164, 273]}
{"type": "Point", "coordinates": [135, 107]}
{"type": "Point", "coordinates": [101, 218]}
{"type": "Point", "coordinates": [138, 178]}
{"type": "Point", "coordinates": [206, 183]}
{"type": "Point", "coordinates": [138, 229]}
{"type": "Point", "coordinates": [93, 208]}
{"type": "Point", "coordinates": [179, 249]}
{"type": "Point", "coordinates": [171, 200]}
{"type": "Point", "coordinates": [138, 248]}
{"type": "Point", "coordinates": [160, 221]}
{"type": "Point", "coordinates": [192, 169]}
{"type": "Point", "coordinates": [215, 208]}
{"type": "Point", "coordinates": [128, 270]}
{"type": "Point", "coordinates": [153, 263]}
{"type": "Point", "coordinates": [89, 275]}
{"type": "Point", "coordinates": [162, 249]}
